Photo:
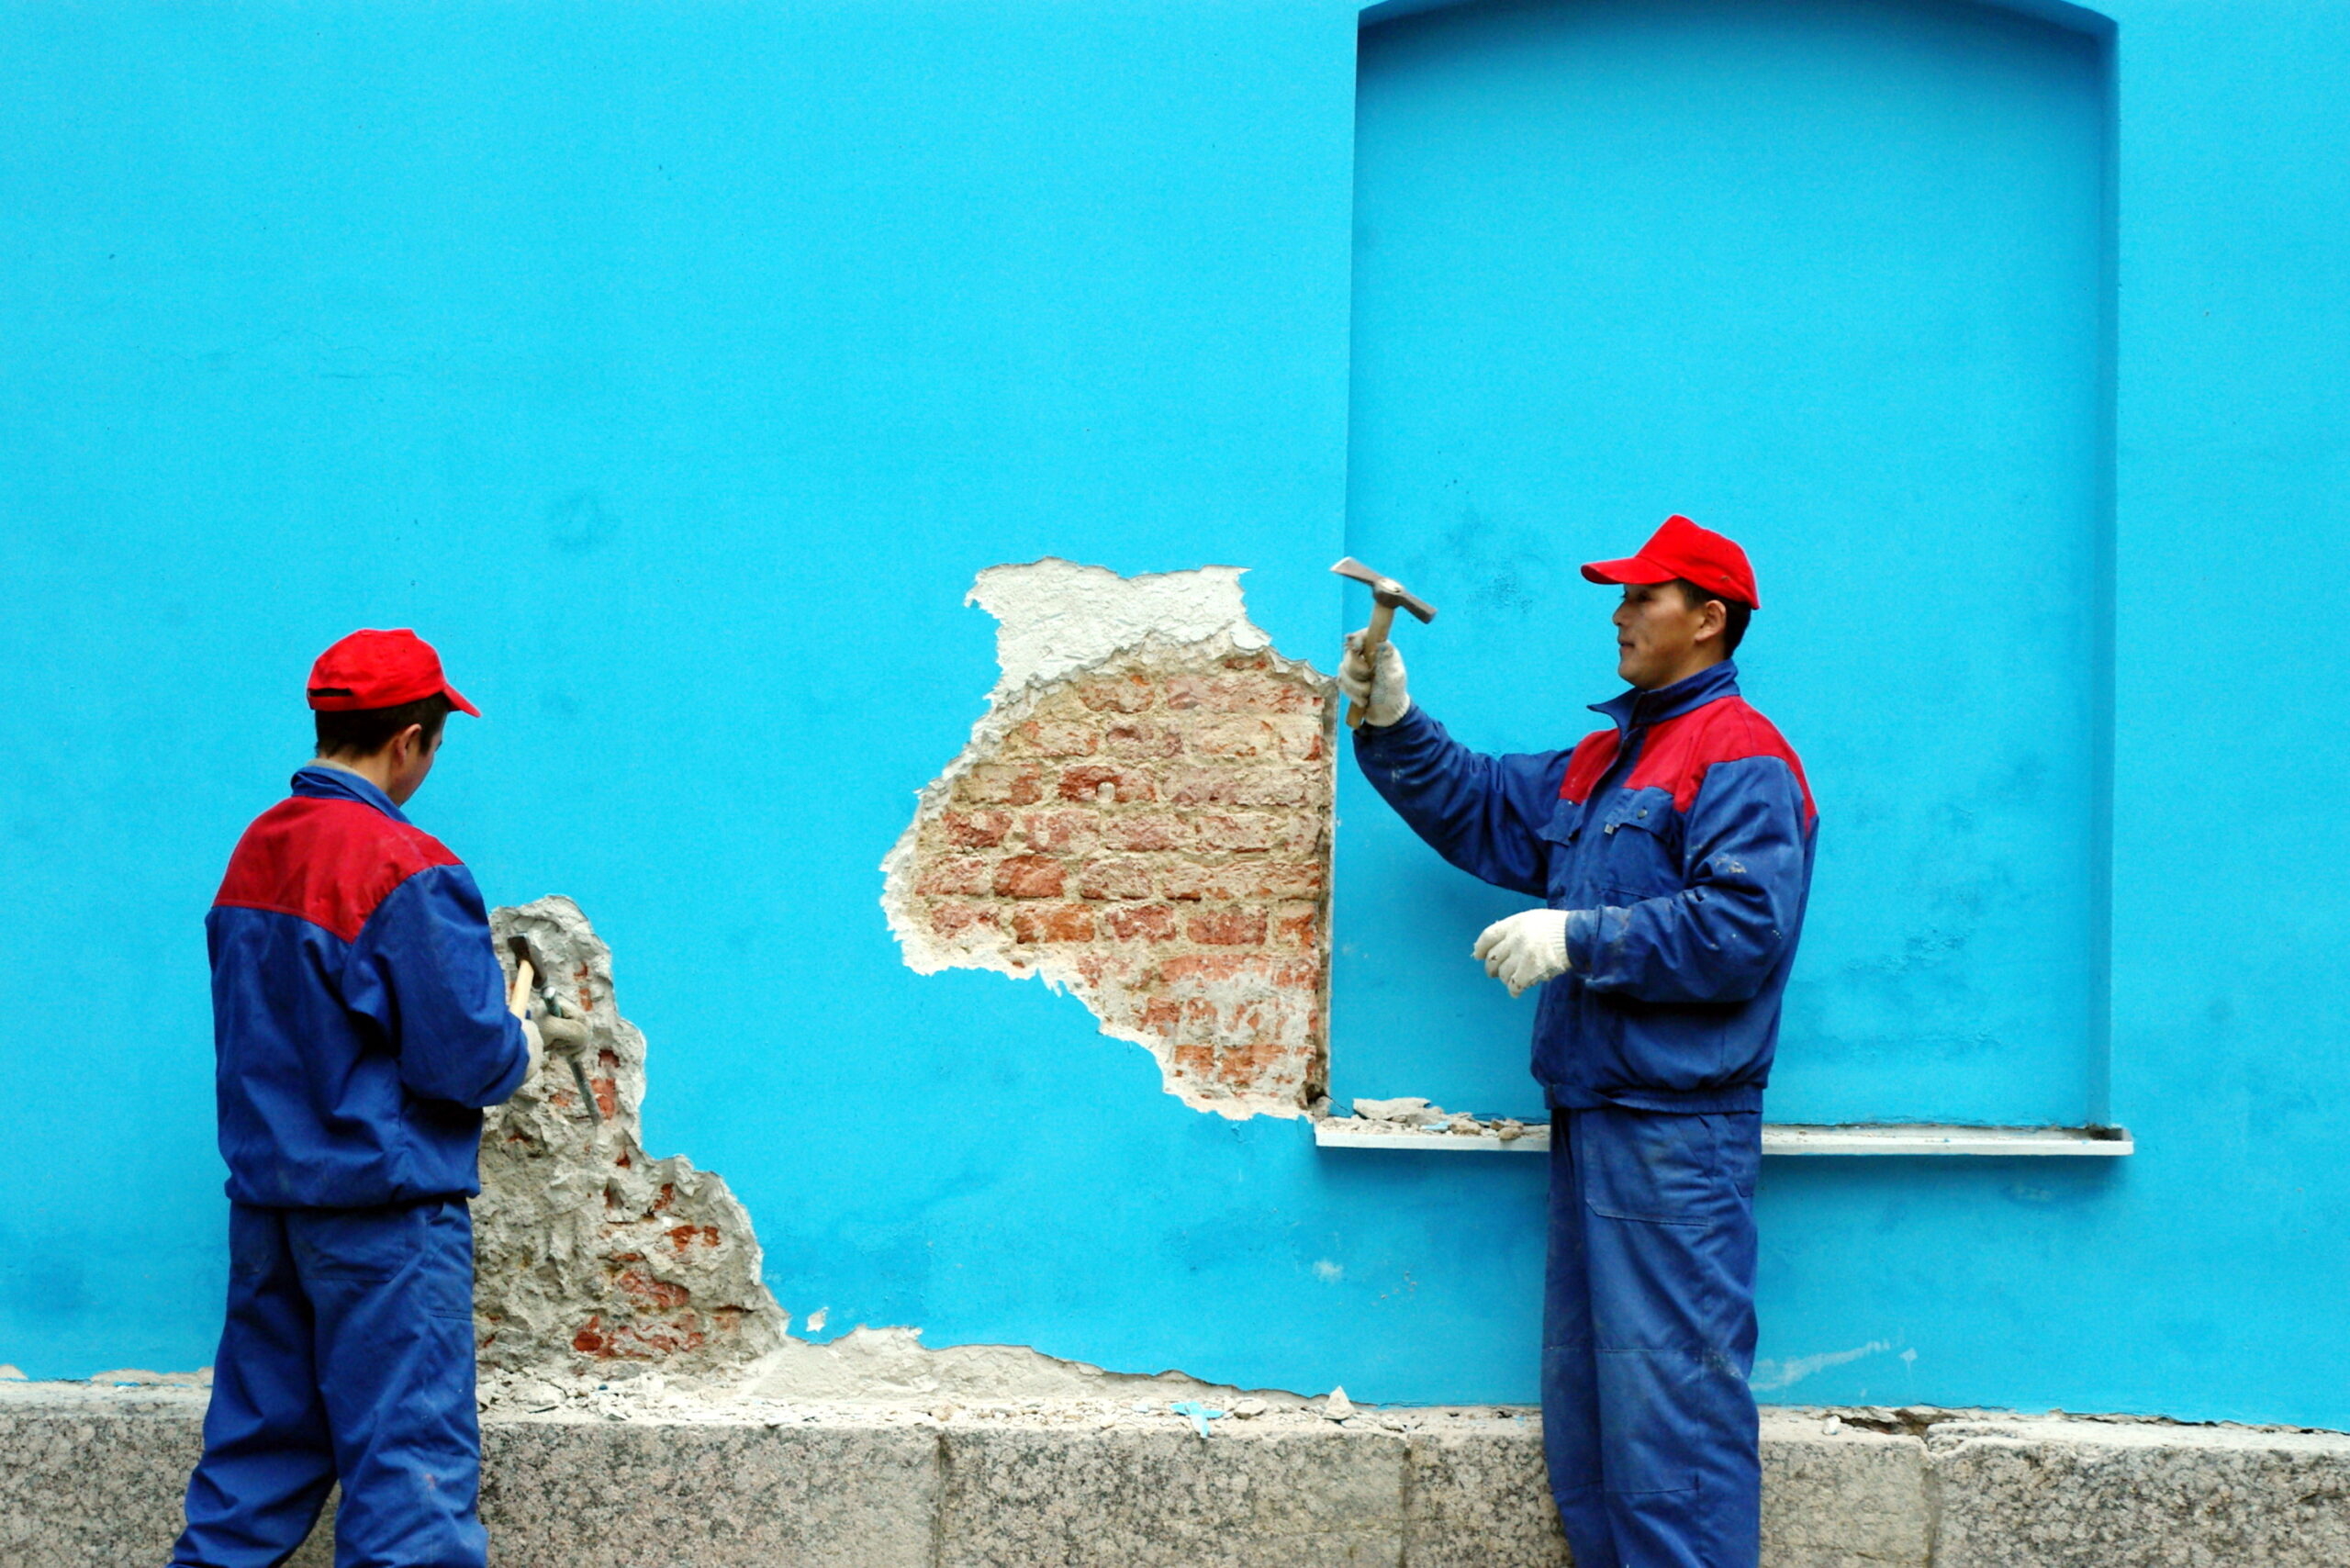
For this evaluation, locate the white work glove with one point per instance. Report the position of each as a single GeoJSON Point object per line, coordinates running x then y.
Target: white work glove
{"type": "Point", "coordinates": [1525, 949]}
{"type": "Point", "coordinates": [1375, 682]}
{"type": "Point", "coordinates": [518, 1003]}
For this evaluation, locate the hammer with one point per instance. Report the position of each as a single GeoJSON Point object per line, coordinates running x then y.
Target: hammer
{"type": "Point", "coordinates": [1387, 596]}
{"type": "Point", "coordinates": [562, 1034]}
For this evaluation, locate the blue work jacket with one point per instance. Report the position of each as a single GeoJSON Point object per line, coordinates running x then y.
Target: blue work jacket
{"type": "Point", "coordinates": [1680, 837]}
{"type": "Point", "coordinates": [358, 1009]}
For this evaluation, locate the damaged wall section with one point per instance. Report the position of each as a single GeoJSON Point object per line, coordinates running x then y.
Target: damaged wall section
{"type": "Point", "coordinates": [587, 1250]}
{"type": "Point", "coordinates": [1142, 818]}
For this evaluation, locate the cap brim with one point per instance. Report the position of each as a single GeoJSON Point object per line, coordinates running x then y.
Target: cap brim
{"type": "Point", "coordinates": [457, 699]}
{"type": "Point", "coordinates": [1631, 569]}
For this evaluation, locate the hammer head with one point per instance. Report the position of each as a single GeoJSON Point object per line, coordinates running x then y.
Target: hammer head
{"type": "Point", "coordinates": [520, 946]}
{"type": "Point", "coordinates": [1386, 590]}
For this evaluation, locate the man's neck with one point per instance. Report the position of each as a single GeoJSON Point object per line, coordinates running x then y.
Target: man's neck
{"type": "Point", "coordinates": [1687, 672]}
{"type": "Point", "coordinates": [377, 770]}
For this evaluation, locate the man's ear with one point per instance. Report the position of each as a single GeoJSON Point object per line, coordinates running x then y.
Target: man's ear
{"type": "Point", "coordinates": [1713, 619]}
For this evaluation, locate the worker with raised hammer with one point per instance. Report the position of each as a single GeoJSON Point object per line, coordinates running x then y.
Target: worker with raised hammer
{"type": "Point", "coordinates": [1673, 852]}
{"type": "Point", "coordinates": [361, 1021]}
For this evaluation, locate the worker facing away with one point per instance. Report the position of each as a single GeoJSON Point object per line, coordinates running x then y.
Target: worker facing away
{"type": "Point", "coordinates": [361, 1022]}
{"type": "Point", "coordinates": [1672, 851]}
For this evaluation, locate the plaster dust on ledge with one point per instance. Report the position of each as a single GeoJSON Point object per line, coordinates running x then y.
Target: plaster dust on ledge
{"type": "Point", "coordinates": [1142, 819]}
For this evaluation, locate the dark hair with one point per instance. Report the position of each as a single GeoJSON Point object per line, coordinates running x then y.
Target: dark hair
{"type": "Point", "coordinates": [365, 732]}
{"type": "Point", "coordinates": [1734, 615]}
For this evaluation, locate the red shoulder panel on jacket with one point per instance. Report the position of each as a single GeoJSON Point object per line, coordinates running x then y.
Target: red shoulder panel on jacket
{"type": "Point", "coordinates": [1592, 756]}
{"type": "Point", "coordinates": [327, 861]}
{"type": "Point", "coordinates": [1679, 751]}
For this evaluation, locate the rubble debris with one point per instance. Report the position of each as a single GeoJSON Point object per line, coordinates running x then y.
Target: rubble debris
{"type": "Point", "coordinates": [588, 1250]}
{"type": "Point", "coordinates": [893, 1365]}
{"type": "Point", "coordinates": [1142, 818]}
{"type": "Point", "coordinates": [1412, 1115]}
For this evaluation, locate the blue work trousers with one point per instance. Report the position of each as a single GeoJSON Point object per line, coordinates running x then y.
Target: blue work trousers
{"type": "Point", "coordinates": [348, 1355]}
{"type": "Point", "coordinates": [1648, 1338]}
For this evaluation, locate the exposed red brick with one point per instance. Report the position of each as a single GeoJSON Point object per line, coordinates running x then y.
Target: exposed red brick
{"type": "Point", "coordinates": [1235, 737]}
{"type": "Point", "coordinates": [1062, 830]}
{"type": "Point", "coordinates": [664, 1295]}
{"type": "Point", "coordinates": [1127, 785]}
{"type": "Point", "coordinates": [950, 921]}
{"type": "Point", "coordinates": [1050, 738]}
{"type": "Point", "coordinates": [683, 1236]}
{"type": "Point", "coordinates": [1288, 880]}
{"type": "Point", "coordinates": [1145, 923]}
{"type": "Point", "coordinates": [1277, 787]}
{"type": "Point", "coordinates": [1140, 738]}
{"type": "Point", "coordinates": [1052, 922]}
{"type": "Point", "coordinates": [1243, 832]}
{"type": "Point", "coordinates": [1227, 928]}
{"type": "Point", "coordinates": [1003, 784]}
{"type": "Point", "coordinates": [1115, 879]}
{"type": "Point", "coordinates": [954, 874]}
{"type": "Point", "coordinates": [975, 830]}
{"type": "Point", "coordinates": [1028, 877]}
{"type": "Point", "coordinates": [1173, 870]}
{"type": "Point", "coordinates": [1118, 694]}
{"type": "Point", "coordinates": [1143, 831]}
{"type": "Point", "coordinates": [1193, 883]}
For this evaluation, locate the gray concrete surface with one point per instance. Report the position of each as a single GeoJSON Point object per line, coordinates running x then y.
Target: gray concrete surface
{"type": "Point", "coordinates": [91, 1478]}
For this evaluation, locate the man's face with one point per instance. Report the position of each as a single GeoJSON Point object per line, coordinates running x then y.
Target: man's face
{"type": "Point", "coordinates": [1658, 635]}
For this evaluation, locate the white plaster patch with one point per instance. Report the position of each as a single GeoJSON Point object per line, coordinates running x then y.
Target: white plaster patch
{"type": "Point", "coordinates": [1769, 1374]}
{"type": "Point", "coordinates": [1056, 617]}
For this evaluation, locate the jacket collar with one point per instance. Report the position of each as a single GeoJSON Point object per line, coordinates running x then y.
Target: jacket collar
{"type": "Point", "coordinates": [1638, 710]}
{"type": "Point", "coordinates": [322, 782]}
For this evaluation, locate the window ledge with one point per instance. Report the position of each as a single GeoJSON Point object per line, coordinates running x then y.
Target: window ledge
{"type": "Point", "coordinates": [1461, 1135]}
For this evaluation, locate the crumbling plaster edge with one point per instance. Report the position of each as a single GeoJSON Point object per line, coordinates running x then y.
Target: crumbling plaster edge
{"type": "Point", "coordinates": [1209, 621]}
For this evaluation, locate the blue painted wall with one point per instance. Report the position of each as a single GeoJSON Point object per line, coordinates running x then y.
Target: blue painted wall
{"type": "Point", "coordinates": [675, 367]}
{"type": "Point", "coordinates": [1831, 275]}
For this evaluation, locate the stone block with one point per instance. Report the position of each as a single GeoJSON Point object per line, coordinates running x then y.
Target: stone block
{"type": "Point", "coordinates": [1029, 1497]}
{"type": "Point", "coordinates": [93, 1482]}
{"type": "Point", "coordinates": [613, 1494]}
{"type": "Point", "coordinates": [2067, 1494]}
{"type": "Point", "coordinates": [1853, 1499]}
{"type": "Point", "coordinates": [1479, 1498]}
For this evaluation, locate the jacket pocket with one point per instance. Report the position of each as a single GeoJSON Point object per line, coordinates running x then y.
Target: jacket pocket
{"type": "Point", "coordinates": [1559, 835]}
{"type": "Point", "coordinates": [1637, 848]}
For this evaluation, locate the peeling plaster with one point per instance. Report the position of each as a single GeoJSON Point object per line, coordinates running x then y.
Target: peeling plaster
{"type": "Point", "coordinates": [1141, 818]}
{"type": "Point", "coordinates": [599, 1266]}
{"type": "Point", "coordinates": [1055, 618]}
{"type": "Point", "coordinates": [587, 1250]}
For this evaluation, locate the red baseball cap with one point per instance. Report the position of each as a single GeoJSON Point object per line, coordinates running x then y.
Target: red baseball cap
{"type": "Point", "coordinates": [1682, 549]}
{"type": "Point", "coordinates": [380, 669]}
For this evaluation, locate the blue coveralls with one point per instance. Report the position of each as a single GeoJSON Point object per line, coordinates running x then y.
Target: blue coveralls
{"type": "Point", "coordinates": [1682, 840]}
{"type": "Point", "coordinates": [359, 1024]}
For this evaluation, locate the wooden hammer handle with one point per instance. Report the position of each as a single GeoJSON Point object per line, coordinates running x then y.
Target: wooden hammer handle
{"type": "Point", "coordinates": [1383, 616]}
